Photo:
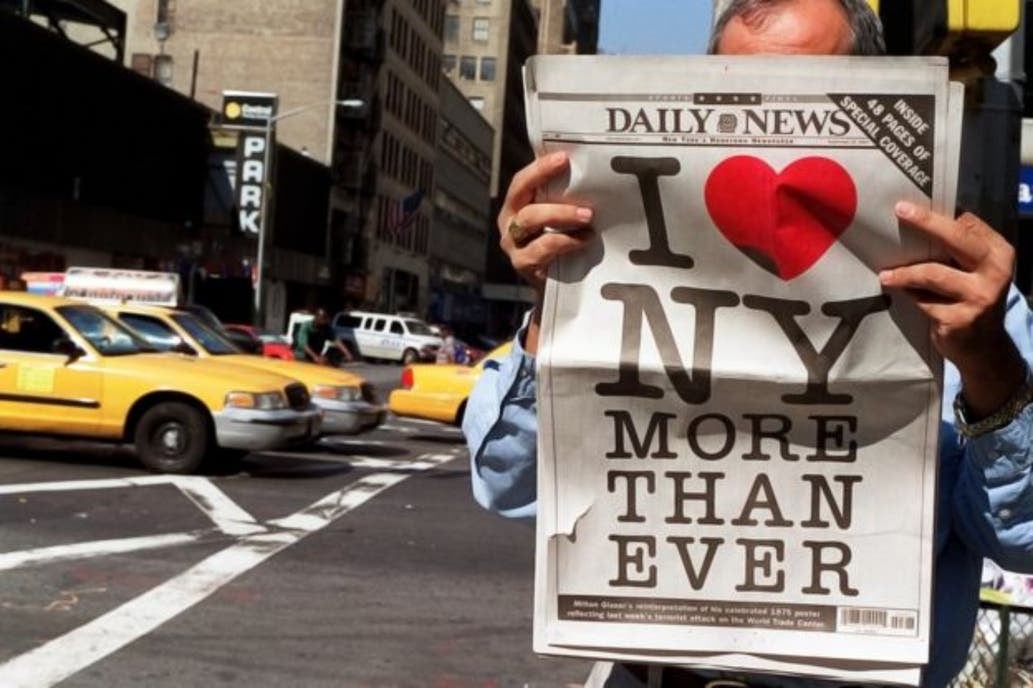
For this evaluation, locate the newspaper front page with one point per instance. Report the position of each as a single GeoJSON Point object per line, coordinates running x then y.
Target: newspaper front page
{"type": "Point", "coordinates": [738, 425]}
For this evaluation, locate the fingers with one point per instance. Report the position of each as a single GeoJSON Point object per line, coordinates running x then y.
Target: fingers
{"type": "Point", "coordinates": [522, 222]}
{"type": "Point", "coordinates": [533, 219]}
{"type": "Point", "coordinates": [532, 262]}
{"type": "Point", "coordinates": [969, 240]}
{"type": "Point", "coordinates": [528, 180]}
{"type": "Point", "coordinates": [929, 278]}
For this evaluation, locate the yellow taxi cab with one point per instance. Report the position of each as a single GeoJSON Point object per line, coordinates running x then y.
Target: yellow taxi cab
{"type": "Point", "coordinates": [68, 369]}
{"type": "Point", "coordinates": [348, 403]}
{"type": "Point", "coordinates": [439, 391]}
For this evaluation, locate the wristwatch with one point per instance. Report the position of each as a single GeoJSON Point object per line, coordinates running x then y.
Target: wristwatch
{"type": "Point", "coordinates": [1008, 412]}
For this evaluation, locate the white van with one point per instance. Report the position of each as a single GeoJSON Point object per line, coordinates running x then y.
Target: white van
{"type": "Point", "coordinates": [392, 337]}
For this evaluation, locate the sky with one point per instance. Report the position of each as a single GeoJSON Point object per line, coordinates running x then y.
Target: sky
{"type": "Point", "coordinates": [654, 26]}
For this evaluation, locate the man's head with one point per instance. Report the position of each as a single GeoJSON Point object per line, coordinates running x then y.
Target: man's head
{"type": "Point", "coordinates": [798, 27]}
{"type": "Point", "coordinates": [321, 317]}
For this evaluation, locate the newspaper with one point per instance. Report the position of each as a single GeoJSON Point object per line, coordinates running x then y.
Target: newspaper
{"type": "Point", "coordinates": [737, 426]}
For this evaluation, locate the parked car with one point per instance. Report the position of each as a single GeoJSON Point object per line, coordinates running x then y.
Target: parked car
{"type": "Point", "coordinates": [392, 337]}
{"type": "Point", "coordinates": [68, 369]}
{"type": "Point", "coordinates": [269, 344]}
{"type": "Point", "coordinates": [245, 340]}
{"type": "Point", "coordinates": [349, 404]}
{"type": "Point", "coordinates": [439, 392]}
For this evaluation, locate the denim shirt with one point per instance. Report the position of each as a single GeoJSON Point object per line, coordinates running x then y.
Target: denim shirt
{"type": "Point", "coordinates": [984, 509]}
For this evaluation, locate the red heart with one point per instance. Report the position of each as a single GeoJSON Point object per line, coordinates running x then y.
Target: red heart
{"type": "Point", "coordinates": [784, 222]}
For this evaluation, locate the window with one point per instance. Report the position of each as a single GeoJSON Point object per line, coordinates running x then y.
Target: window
{"type": "Point", "coordinates": [481, 26]}
{"type": "Point", "coordinates": [477, 102]}
{"type": "Point", "coordinates": [24, 329]}
{"type": "Point", "coordinates": [158, 334]}
{"type": "Point", "coordinates": [143, 63]}
{"type": "Point", "coordinates": [352, 321]}
{"type": "Point", "coordinates": [451, 27]}
{"type": "Point", "coordinates": [163, 68]}
{"type": "Point", "coordinates": [212, 342]}
{"type": "Point", "coordinates": [468, 67]}
{"type": "Point", "coordinates": [379, 325]}
{"type": "Point", "coordinates": [487, 69]}
{"type": "Point", "coordinates": [108, 336]}
{"type": "Point", "coordinates": [396, 328]}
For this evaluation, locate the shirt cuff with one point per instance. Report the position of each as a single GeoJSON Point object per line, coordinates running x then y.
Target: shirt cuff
{"type": "Point", "coordinates": [1006, 451]}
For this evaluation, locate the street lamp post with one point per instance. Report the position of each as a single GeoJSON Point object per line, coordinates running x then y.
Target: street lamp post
{"type": "Point", "coordinates": [264, 215]}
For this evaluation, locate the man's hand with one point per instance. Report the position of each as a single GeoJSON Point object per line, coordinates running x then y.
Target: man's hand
{"type": "Point", "coordinates": [966, 303]}
{"type": "Point", "coordinates": [532, 253]}
{"type": "Point", "coordinates": [522, 226]}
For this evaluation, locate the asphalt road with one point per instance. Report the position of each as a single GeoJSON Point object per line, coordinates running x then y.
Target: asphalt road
{"type": "Point", "coordinates": [362, 563]}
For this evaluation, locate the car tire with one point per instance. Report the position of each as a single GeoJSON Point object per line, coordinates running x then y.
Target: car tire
{"type": "Point", "coordinates": [172, 437]}
{"type": "Point", "coordinates": [409, 356]}
{"type": "Point", "coordinates": [460, 414]}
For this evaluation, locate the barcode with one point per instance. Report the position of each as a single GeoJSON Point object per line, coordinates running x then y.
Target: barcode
{"type": "Point", "coordinates": [890, 621]}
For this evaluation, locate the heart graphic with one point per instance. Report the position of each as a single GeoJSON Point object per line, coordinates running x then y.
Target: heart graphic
{"type": "Point", "coordinates": [784, 222]}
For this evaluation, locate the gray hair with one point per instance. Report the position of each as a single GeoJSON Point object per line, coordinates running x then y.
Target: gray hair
{"type": "Point", "coordinates": [864, 23]}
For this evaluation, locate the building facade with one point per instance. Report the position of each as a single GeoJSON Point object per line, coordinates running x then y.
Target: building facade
{"type": "Point", "coordinates": [406, 150]}
{"type": "Point", "coordinates": [567, 27]}
{"type": "Point", "coordinates": [357, 83]}
{"type": "Point", "coordinates": [461, 226]}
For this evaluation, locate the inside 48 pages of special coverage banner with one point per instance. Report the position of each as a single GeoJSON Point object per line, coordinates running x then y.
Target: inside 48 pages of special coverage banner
{"type": "Point", "coordinates": [738, 425]}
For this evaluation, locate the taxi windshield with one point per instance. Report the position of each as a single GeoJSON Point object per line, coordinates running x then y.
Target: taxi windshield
{"type": "Point", "coordinates": [105, 334]}
{"type": "Point", "coordinates": [210, 340]}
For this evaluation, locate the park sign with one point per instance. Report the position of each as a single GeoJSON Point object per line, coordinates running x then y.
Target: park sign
{"type": "Point", "coordinates": [253, 114]}
{"type": "Point", "coordinates": [738, 425]}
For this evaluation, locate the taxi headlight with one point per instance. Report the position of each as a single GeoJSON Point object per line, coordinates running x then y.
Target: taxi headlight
{"type": "Point", "coordinates": [337, 392]}
{"type": "Point", "coordinates": [263, 401]}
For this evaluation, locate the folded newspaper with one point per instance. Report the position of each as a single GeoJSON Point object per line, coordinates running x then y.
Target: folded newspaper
{"type": "Point", "coordinates": [737, 425]}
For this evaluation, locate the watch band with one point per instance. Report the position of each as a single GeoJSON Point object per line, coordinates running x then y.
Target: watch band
{"type": "Point", "coordinates": [1008, 412]}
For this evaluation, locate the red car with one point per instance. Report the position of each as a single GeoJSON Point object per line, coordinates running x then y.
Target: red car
{"type": "Point", "coordinates": [272, 345]}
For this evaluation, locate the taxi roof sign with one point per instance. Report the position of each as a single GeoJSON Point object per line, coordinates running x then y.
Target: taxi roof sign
{"type": "Point", "coordinates": [115, 285]}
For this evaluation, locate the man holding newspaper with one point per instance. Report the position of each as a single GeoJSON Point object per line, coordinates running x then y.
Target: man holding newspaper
{"type": "Point", "coordinates": [979, 324]}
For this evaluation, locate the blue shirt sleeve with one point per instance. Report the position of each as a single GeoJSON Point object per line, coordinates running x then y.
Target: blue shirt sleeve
{"type": "Point", "coordinates": [993, 496]}
{"type": "Point", "coordinates": [501, 428]}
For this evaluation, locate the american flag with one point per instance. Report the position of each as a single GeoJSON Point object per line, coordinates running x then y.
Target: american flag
{"type": "Point", "coordinates": [401, 215]}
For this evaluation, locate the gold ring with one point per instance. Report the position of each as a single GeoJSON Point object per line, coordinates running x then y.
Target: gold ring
{"type": "Point", "coordinates": [518, 233]}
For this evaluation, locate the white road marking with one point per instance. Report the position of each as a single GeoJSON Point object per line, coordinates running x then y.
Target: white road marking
{"type": "Point", "coordinates": [223, 511]}
{"type": "Point", "coordinates": [226, 514]}
{"type": "Point", "coordinates": [72, 652]}
{"type": "Point", "coordinates": [68, 485]}
{"type": "Point", "coordinates": [443, 428]}
{"type": "Point", "coordinates": [417, 421]}
{"type": "Point", "coordinates": [100, 548]}
{"type": "Point", "coordinates": [371, 462]}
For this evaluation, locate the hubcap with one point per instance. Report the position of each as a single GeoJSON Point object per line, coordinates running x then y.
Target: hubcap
{"type": "Point", "coordinates": [172, 438]}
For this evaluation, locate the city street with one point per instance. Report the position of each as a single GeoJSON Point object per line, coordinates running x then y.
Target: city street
{"type": "Point", "coordinates": [363, 562]}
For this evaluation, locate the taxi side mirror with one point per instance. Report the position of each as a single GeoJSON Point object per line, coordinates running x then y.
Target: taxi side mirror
{"type": "Point", "coordinates": [66, 347]}
{"type": "Point", "coordinates": [183, 348]}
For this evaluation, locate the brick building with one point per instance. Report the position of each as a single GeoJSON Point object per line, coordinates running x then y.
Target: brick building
{"type": "Point", "coordinates": [384, 54]}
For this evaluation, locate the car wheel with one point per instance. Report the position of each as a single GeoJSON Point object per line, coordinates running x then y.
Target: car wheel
{"type": "Point", "coordinates": [460, 414]}
{"type": "Point", "coordinates": [172, 437]}
{"type": "Point", "coordinates": [410, 356]}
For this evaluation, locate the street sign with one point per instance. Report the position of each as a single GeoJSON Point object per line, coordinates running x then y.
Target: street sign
{"type": "Point", "coordinates": [252, 169]}
{"type": "Point", "coordinates": [247, 109]}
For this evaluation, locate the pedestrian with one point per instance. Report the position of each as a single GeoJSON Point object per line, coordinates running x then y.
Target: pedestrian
{"type": "Point", "coordinates": [447, 352]}
{"type": "Point", "coordinates": [979, 323]}
{"type": "Point", "coordinates": [314, 336]}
